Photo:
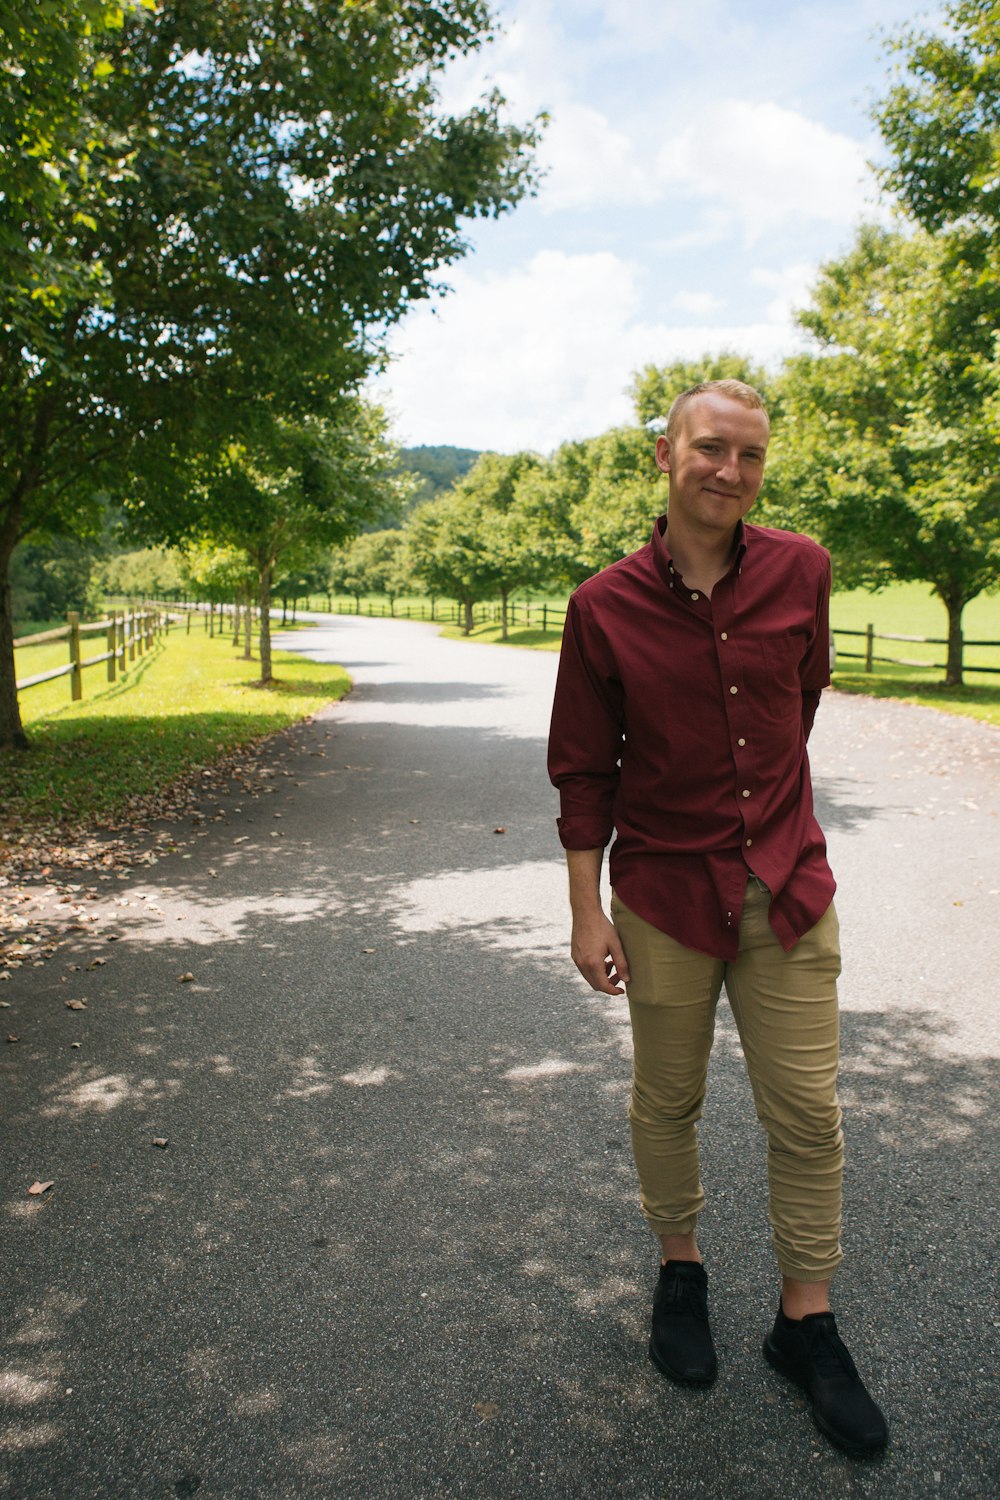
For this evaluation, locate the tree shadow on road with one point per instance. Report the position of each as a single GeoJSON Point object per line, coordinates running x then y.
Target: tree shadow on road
{"type": "Point", "coordinates": [392, 1245]}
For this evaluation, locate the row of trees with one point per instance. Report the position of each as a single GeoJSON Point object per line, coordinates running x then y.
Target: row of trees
{"type": "Point", "coordinates": [211, 217]}
{"type": "Point", "coordinates": [885, 436]}
{"type": "Point", "coordinates": [216, 213]}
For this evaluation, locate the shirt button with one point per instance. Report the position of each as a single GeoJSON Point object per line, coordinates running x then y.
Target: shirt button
{"type": "Point", "coordinates": [741, 742]}
{"type": "Point", "coordinates": [725, 635]}
{"type": "Point", "coordinates": [695, 596]}
{"type": "Point", "coordinates": [749, 842]}
{"type": "Point", "coordinates": [734, 690]}
{"type": "Point", "coordinates": [746, 792]}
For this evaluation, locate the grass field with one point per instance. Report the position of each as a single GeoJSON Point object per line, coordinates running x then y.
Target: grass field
{"type": "Point", "coordinates": [181, 706]}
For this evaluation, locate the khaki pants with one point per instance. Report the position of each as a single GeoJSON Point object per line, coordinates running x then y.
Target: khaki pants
{"type": "Point", "coordinates": [785, 1007]}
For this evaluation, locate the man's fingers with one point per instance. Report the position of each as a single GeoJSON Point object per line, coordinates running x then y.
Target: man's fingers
{"type": "Point", "coordinates": [618, 960]}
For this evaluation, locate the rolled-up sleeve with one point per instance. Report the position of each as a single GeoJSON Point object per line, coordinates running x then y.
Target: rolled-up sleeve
{"type": "Point", "coordinates": [585, 738]}
{"type": "Point", "coordinates": [814, 671]}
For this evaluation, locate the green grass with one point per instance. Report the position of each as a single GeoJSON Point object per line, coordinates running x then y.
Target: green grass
{"type": "Point", "coordinates": [535, 640]}
{"type": "Point", "coordinates": [180, 707]}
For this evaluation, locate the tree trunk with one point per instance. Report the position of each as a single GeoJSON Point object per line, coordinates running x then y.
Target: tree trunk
{"type": "Point", "coordinates": [247, 623]}
{"type": "Point", "coordinates": [12, 735]}
{"type": "Point", "coordinates": [264, 597]}
{"type": "Point", "coordinates": [954, 603]}
{"type": "Point", "coordinates": [503, 614]}
{"type": "Point", "coordinates": [467, 605]}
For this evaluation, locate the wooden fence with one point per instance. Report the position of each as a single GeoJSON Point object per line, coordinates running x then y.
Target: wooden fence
{"type": "Point", "coordinates": [546, 616]}
{"type": "Point", "coordinates": [870, 635]}
{"type": "Point", "coordinates": [128, 634]}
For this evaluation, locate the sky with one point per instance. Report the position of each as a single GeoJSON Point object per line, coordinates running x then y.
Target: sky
{"type": "Point", "coordinates": [704, 159]}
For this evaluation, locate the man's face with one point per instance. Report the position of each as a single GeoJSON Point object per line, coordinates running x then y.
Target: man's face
{"type": "Point", "coordinates": [715, 463]}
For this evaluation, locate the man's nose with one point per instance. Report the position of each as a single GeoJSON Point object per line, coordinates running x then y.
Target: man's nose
{"type": "Point", "coordinates": [729, 468]}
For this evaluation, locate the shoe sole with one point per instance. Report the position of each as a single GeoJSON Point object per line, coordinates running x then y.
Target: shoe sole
{"type": "Point", "coordinates": [673, 1375]}
{"type": "Point", "coordinates": [777, 1361]}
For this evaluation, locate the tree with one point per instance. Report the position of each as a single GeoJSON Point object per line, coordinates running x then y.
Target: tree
{"type": "Point", "coordinates": [58, 170]}
{"type": "Point", "coordinates": [654, 387]}
{"type": "Point", "coordinates": [941, 122]}
{"type": "Point", "coordinates": [478, 542]}
{"type": "Point", "coordinates": [308, 485]}
{"type": "Point", "coordinates": [885, 450]}
{"type": "Point", "coordinates": [622, 498]}
{"type": "Point", "coordinates": [376, 563]}
{"type": "Point", "coordinates": [272, 187]}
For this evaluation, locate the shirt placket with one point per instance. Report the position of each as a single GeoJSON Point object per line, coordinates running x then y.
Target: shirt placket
{"type": "Point", "coordinates": [739, 718]}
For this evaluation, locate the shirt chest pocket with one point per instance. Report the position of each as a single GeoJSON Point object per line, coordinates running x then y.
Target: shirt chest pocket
{"type": "Point", "coordinates": [782, 656]}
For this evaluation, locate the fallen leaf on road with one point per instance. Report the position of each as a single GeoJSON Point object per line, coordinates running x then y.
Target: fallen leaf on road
{"type": "Point", "coordinates": [74, 1044]}
{"type": "Point", "coordinates": [38, 1188]}
{"type": "Point", "coordinates": [185, 978]}
{"type": "Point", "coordinates": [159, 1140]}
{"type": "Point", "coordinates": [499, 830]}
{"type": "Point", "coordinates": [368, 950]}
{"type": "Point", "coordinates": [95, 963]}
{"type": "Point", "coordinates": [487, 1410]}
{"type": "Point", "coordinates": [12, 1038]}
{"type": "Point", "coordinates": [76, 1005]}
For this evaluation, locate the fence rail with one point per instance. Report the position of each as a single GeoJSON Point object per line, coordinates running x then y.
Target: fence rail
{"type": "Point", "coordinates": [870, 635]}
{"type": "Point", "coordinates": [128, 634]}
{"type": "Point", "coordinates": [548, 616]}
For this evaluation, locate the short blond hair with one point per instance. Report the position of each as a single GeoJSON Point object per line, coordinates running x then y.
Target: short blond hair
{"type": "Point", "coordinates": [736, 390]}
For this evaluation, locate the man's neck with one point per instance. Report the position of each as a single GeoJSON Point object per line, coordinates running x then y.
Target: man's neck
{"type": "Point", "coordinates": [700, 559]}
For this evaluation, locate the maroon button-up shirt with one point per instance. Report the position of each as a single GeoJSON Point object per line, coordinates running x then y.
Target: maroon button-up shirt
{"type": "Point", "coordinates": [680, 724]}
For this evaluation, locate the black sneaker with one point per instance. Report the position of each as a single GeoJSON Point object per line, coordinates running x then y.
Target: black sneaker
{"type": "Point", "coordinates": [681, 1341]}
{"type": "Point", "coordinates": [811, 1353]}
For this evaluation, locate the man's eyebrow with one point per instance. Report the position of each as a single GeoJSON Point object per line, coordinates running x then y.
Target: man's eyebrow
{"type": "Point", "coordinates": [715, 437]}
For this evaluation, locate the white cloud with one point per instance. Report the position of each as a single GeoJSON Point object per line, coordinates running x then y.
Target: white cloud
{"type": "Point", "coordinates": [699, 304]}
{"type": "Point", "coordinates": [766, 165]}
{"type": "Point", "coordinates": [588, 163]}
{"type": "Point", "coordinates": [543, 353]}
{"type": "Point", "coordinates": [790, 286]}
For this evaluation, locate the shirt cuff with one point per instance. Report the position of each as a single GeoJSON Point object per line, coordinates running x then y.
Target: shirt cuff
{"type": "Point", "coordinates": [581, 832]}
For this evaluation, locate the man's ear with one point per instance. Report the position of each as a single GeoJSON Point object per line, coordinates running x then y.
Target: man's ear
{"type": "Point", "coordinates": [663, 454]}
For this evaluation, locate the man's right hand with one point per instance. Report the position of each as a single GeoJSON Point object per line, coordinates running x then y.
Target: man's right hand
{"type": "Point", "coordinates": [597, 952]}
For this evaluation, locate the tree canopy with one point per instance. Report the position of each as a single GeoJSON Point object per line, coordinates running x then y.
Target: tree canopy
{"type": "Point", "coordinates": [258, 192]}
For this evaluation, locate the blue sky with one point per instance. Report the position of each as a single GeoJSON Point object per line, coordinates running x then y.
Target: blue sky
{"type": "Point", "coordinates": [703, 159]}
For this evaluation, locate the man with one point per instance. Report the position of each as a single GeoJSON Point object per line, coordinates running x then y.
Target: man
{"type": "Point", "coordinates": [688, 682]}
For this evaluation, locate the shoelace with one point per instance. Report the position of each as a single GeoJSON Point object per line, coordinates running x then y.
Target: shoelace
{"type": "Point", "coordinates": [682, 1295]}
{"type": "Point", "coordinates": [828, 1352]}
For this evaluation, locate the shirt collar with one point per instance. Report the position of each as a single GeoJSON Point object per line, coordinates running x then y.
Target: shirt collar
{"type": "Point", "coordinates": [664, 560]}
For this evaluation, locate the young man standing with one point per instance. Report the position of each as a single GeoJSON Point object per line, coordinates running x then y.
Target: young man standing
{"type": "Point", "coordinates": [689, 679]}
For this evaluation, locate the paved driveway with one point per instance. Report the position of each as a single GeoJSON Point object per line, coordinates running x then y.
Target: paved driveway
{"type": "Point", "coordinates": [392, 1248]}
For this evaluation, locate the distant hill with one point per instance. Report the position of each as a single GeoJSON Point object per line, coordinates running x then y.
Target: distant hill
{"type": "Point", "coordinates": [438, 467]}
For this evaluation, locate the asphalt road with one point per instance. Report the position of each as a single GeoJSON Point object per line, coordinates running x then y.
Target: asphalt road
{"type": "Point", "coordinates": [392, 1247]}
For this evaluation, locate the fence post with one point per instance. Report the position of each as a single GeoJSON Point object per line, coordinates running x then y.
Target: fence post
{"type": "Point", "coordinates": [112, 645]}
{"type": "Point", "coordinates": [131, 634]}
{"type": "Point", "coordinates": [870, 648]}
{"type": "Point", "coordinates": [76, 675]}
{"type": "Point", "coordinates": [121, 642]}
{"type": "Point", "coordinates": [189, 613]}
